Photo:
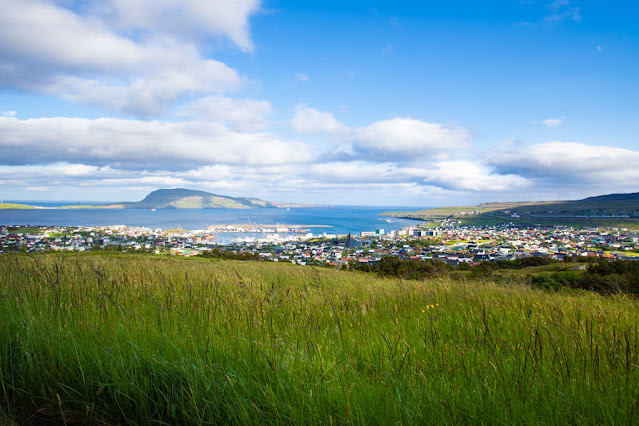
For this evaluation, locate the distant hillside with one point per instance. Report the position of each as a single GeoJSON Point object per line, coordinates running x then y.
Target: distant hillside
{"type": "Point", "coordinates": [188, 199]}
{"type": "Point", "coordinates": [633, 196]}
{"type": "Point", "coordinates": [612, 209]}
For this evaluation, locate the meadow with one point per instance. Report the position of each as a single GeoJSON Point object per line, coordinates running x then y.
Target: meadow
{"type": "Point", "coordinates": [141, 339]}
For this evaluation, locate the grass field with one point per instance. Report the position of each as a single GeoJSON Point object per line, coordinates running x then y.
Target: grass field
{"type": "Point", "coordinates": [118, 338]}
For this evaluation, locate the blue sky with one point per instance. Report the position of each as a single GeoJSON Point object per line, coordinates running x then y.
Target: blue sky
{"type": "Point", "coordinates": [372, 103]}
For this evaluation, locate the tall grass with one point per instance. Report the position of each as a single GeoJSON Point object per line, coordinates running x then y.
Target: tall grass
{"type": "Point", "coordinates": [143, 339]}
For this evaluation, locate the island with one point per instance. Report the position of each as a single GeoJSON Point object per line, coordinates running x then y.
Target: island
{"type": "Point", "coordinates": [177, 198]}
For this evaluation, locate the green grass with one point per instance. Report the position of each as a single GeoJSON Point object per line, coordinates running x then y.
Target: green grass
{"type": "Point", "coordinates": [142, 339]}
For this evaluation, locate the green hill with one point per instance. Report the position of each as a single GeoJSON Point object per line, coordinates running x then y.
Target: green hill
{"type": "Point", "coordinates": [603, 210]}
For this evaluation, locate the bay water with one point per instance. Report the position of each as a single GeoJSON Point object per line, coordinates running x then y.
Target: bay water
{"type": "Point", "coordinates": [340, 219]}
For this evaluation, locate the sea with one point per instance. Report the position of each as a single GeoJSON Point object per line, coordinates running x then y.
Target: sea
{"type": "Point", "coordinates": [338, 219]}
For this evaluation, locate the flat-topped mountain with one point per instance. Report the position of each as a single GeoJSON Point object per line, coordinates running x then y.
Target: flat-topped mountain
{"type": "Point", "coordinates": [181, 198]}
{"type": "Point", "coordinates": [178, 198]}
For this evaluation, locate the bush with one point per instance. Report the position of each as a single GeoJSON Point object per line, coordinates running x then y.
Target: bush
{"type": "Point", "coordinates": [612, 277]}
{"type": "Point", "coordinates": [216, 253]}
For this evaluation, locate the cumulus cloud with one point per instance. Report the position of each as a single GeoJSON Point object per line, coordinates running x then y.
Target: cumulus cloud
{"type": "Point", "coordinates": [446, 175]}
{"type": "Point", "coordinates": [139, 145]}
{"type": "Point", "coordinates": [396, 139]}
{"type": "Point", "coordinates": [150, 95]}
{"type": "Point", "coordinates": [240, 114]}
{"type": "Point", "coordinates": [357, 172]}
{"type": "Point", "coordinates": [186, 19]}
{"type": "Point", "coordinates": [139, 66]}
{"type": "Point", "coordinates": [468, 176]}
{"type": "Point", "coordinates": [571, 161]}
{"type": "Point", "coordinates": [554, 122]}
{"type": "Point", "coordinates": [405, 138]}
{"type": "Point", "coordinates": [84, 182]}
{"type": "Point", "coordinates": [310, 120]}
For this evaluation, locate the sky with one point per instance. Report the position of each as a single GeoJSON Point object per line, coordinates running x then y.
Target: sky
{"type": "Point", "coordinates": [384, 103]}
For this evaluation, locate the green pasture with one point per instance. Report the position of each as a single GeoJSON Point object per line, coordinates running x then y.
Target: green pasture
{"type": "Point", "coordinates": [137, 339]}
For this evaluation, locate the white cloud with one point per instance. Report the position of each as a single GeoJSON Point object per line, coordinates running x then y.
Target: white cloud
{"type": "Point", "coordinates": [572, 161]}
{"type": "Point", "coordinates": [554, 122]}
{"type": "Point", "coordinates": [357, 172]}
{"type": "Point", "coordinates": [468, 176]}
{"type": "Point", "coordinates": [139, 145]}
{"type": "Point", "coordinates": [310, 120]}
{"type": "Point", "coordinates": [77, 170]}
{"type": "Point", "coordinates": [149, 95]}
{"type": "Point", "coordinates": [139, 69]}
{"type": "Point", "coordinates": [187, 19]}
{"type": "Point", "coordinates": [54, 174]}
{"type": "Point", "coordinates": [397, 139]}
{"type": "Point", "coordinates": [409, 138]}
{"type": "Point", "coordinates": [241, 114]}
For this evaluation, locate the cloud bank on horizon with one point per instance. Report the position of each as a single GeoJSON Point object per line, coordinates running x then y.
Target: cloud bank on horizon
{"type": "Point", "coordinates": [111, 100]}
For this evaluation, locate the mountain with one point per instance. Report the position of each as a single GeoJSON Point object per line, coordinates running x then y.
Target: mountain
{"type": "Point", "coordinates": [188, 199]}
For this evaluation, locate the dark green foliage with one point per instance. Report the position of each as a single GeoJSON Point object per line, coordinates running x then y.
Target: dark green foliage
{"type": "Point", "coordinates": [612, 277]}
{"type": "Point", "coordinates": [217, 253]}
{"type": "Point", "coordinates": [524, 262]}
{"type": "Point", "coordinates": [484, 270]}
{"type": "Point", "coordinates": [557, 280]}
{"type": "Point", "coordinates": [619, 276]}
{"type": "Point", "coordinates": [409, 269]}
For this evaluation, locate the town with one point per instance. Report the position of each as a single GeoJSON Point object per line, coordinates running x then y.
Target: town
{"type": "Point", "coordinates": [449, 242]}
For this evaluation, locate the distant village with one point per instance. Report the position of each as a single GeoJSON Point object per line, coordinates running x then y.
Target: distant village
{"type": "Point", "coordinates": [450, 242]}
